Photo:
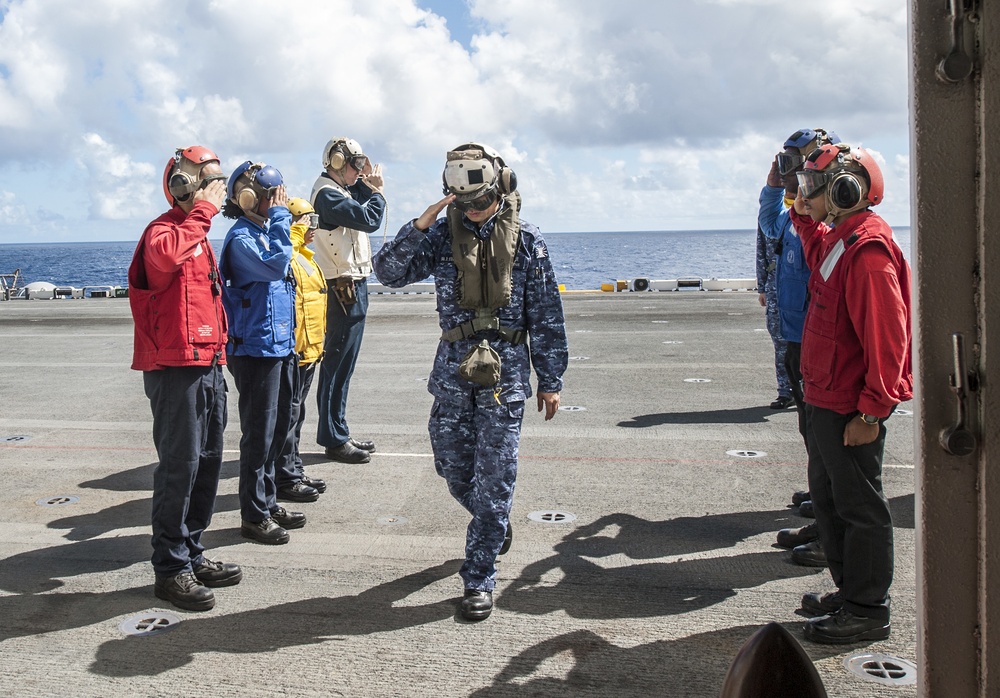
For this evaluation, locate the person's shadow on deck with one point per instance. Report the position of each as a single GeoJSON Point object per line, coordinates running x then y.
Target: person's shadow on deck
{"type": "Point", "coordinates": [136, 512]}
{"type": "Point", "coordinates": [28, 610]}
{"type": "Point", "coordinates": [573, 581]}
{"type": "Point", "coordinates": [742, 415]}
{"type": "Point", "coordinates": [140, 478]}
{"type": "Point", "coordinates": [582, 663]}
{"type": "Point", "coordinates": [305, 622]}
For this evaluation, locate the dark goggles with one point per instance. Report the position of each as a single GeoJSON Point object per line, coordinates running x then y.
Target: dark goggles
{"type": "Point", "coordinates": [480, 203]}
{"type": "Point", "coordinates": [788, 163]}
{"type": "Point", "coordinates": [211, 178]}
{"type": "Point", "coordinates": [358, 162]}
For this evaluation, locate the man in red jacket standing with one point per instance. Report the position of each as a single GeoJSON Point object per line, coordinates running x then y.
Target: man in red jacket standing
{"type": "Point", "coordinates": [856, 367]}
{"type": "Point", "coordinates": [180, 346]}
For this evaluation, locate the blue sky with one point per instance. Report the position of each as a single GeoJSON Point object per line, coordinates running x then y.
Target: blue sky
{"type": "Point", "coordinates": [624, 115]}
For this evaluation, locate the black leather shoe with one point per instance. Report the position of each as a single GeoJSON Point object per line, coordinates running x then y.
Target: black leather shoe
{"type": "Point", "coordinates": [288, 519]}
{"type": "Point", "coordinates": [298, 492]}
{"type": "Point", "coordinates": [348, 453]}
{"type": "Point", "coordinates": [794, 537]}
{"type": "Point", "coordinates": [508, 538]}
{"type": "Point", "coordinates": [217, 574]}
{"type": "Point", "coordinates": [363, 445]}
{"type": "Point", "coordinates": [816, 604]}
{"type": "Point", "coordinates": [806, 510]}
{"type": "Point", "coordinates": [315, 483]}
{"type": "Point", "coordinates": [844, 628]}
{"type": "Point", "coordinates": [782, 402]}
{"type": "Point", "coordinates": [267, 532]}
{"type": "Point", "coordinates": [477, 605]}
{"type": "Point", "coordinates": [809, 555]}
{"type": "Point", "coordinates": [799, 497]}
{"type": "Point", "coordinates": [184, 591]}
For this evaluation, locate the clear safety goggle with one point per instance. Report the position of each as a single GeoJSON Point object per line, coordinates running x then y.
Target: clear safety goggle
{"type": "Point", "coordinates": [811, 182]}
{"type": "Point", "coordinates": [313, 221]}
{"type": "Point", "coordinates": [789, 162]}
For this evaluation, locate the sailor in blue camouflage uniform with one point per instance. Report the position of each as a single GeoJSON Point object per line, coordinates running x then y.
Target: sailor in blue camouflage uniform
{"type": "Point", "coordinates": [767, 287]}
{"type": "Point", "coordinates": [496, 290]}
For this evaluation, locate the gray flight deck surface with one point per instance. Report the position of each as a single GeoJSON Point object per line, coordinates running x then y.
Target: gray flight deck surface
{"type": "Point", "coordinates": [667, 569]}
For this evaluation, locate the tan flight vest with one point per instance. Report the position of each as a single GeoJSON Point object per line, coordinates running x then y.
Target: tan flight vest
{"type": "Point", "coordinates": [343, 251]}
{"type": "Point", "coordinates": [485, 268]}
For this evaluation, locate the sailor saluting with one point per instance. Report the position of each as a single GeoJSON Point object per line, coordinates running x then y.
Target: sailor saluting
{"type": "Point", "coordinates": [496, 290]}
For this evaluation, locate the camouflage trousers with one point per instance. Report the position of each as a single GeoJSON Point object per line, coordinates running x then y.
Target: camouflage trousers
{"type": "Point", "coordinates": [780, 347]}
{"type": "Point", "coordinates": [475, 450]}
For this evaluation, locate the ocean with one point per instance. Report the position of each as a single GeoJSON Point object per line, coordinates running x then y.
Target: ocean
{"type": "Point", "coordinates": [581, 260]}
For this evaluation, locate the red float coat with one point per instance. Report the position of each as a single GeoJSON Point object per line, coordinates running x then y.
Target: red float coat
{"type": "Point", "coordinates": [856, 344]}
{"type": "Point", "coordinates": [175, 294]}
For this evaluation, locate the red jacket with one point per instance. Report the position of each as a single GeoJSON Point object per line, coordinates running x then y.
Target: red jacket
{"type": "Point", "coordinates": [856, 344]}
{"type": "Point", "coordinates": [175, 294]}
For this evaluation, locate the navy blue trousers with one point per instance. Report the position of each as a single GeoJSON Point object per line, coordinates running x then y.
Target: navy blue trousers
{"type": "Point", "coordinates": [289, 466]}
{"type": "Point", "coordinates": [266, 386]}
{"type": "Point", "coordinates": [345, 327]}
{"type": "Point", "coordinates": [189, 418]}
{"type": "Point", "coordinates": [852, 512]}
{"type": "Point", "coordinates": [475, 450]}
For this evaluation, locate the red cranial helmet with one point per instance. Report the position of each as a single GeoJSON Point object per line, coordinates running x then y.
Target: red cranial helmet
{"type": "Point", "coordinates": [848, 176]}
{"type": "Point", "coordinates": [182, 175]}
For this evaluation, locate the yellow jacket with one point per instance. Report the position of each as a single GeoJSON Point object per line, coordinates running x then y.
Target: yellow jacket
{"type": "Point", "coordinates": [310, 300]}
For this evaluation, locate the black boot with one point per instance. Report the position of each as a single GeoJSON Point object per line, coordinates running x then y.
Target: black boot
{"type": "Point", "coordinates": [477, 605]}
{"type": "Point", "coordinates": [217, 574]}
{"type": "Point", "coordinates": [184, 591]}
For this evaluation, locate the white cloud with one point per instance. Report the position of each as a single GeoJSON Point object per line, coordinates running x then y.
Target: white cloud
{"type": "Point", "coordinates": [120, 187]}
{"type": "Point", "coordinates": [12, 212]}
{"type": "Point", "coordinates": [624, 115]}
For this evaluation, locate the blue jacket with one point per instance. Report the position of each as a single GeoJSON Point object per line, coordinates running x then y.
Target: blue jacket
{"type": "Point", "coordinates": [792, 273]}
{"type": "Point", "coordinates": [258, 288]}
{"type": "Point", "coordinates": [535, 306]}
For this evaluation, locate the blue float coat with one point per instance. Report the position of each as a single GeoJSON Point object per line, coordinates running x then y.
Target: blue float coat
{"type": "Point", "coordinates": [792, 272]}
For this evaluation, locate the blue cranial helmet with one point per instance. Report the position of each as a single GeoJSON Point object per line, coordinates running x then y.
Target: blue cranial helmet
{"type": "Point", "coordinates": [800, 144]}
{"type": "Point", "coordinates": [251, 183]}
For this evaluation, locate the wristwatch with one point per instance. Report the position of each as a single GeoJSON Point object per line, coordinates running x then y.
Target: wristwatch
{"type": "Point", "coordinates": [868, 419]}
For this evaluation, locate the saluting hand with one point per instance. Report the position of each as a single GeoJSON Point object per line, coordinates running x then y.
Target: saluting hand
{"type": "Point", "coordinates": [774, 177]}
{"type": "Point", "coordinates": [279, 197]}
{"type": "Point", "coordinates": [214, 193]}
{"type": "Point", "coordinates": [373, 180]}
{"type": "Point", "coordinates": [427, 218]}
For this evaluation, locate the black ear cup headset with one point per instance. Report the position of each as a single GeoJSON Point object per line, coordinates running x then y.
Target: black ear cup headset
{"type": "Point", "coordinates": [846, 190]}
